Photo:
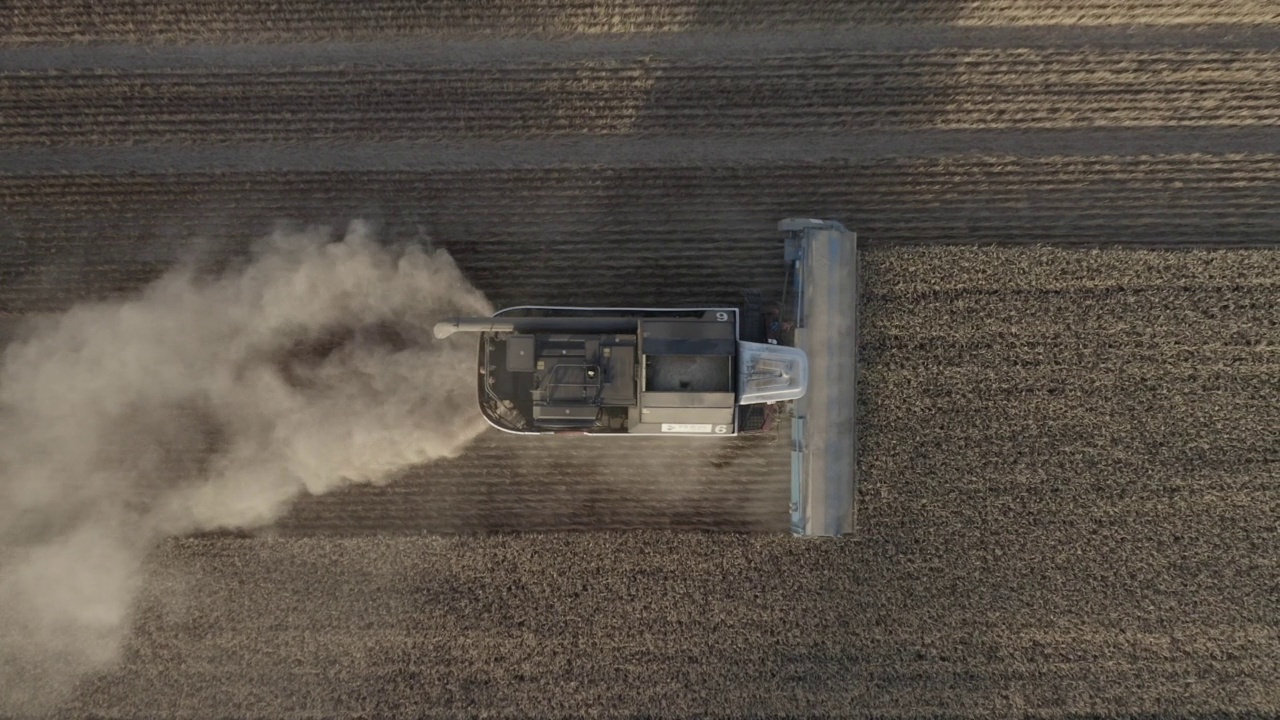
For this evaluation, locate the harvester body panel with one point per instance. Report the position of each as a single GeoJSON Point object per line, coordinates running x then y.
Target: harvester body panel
{"type": "Point", "coordinates": [624, 371]}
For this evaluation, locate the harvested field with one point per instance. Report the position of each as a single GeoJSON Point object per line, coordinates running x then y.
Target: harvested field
{"type": "Point", "coordinates": [1017, 88]}
{"type": "Point", "coordinates": [1000, 621]}
{"type": "Point", "coordinates": [1068, 502]}
{"type": "Point", "coordinates": [158, 21]}
{"type": "Point", "coordinates": [644, 234]}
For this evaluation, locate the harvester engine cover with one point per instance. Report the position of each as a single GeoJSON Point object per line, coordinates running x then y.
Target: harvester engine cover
{"type": "Point", "coordinates": [626, 370]}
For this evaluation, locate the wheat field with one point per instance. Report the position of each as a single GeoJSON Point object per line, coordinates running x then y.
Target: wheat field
{"type": "Point", "coordinates": [1070, 375]}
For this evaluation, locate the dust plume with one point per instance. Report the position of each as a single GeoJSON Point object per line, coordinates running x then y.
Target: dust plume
{"type": "Point", "coordinates": [209, 402]}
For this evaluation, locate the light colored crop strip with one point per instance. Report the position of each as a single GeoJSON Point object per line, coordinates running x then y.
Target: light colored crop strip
{"type": "Point", "coordinates": [945, 89]}
{"type": "Point", "coordinates": [159, 21]}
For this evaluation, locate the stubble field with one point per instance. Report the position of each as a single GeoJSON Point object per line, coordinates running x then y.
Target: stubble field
{"type": "Point", "coordinates": [1069, 458]}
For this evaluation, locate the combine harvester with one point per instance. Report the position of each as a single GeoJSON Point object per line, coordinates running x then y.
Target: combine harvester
{"type": "Point", "coordinates": [714, 371]}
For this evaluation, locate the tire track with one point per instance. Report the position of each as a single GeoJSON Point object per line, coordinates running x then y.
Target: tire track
{"type": "Point", "coordinates": [647, 151]}
{"type": "Point", "coordinates": [690, 46]}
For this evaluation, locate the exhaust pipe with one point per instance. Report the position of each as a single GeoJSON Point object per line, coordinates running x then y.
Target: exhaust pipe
{"type": "Point", "coordinates": [449, 326]}
{"type": "Point", "coordinates": [564, 324]}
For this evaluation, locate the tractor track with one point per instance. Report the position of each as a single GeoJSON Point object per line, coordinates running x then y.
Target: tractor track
{"type": "Point", "coordinates": [423, 53]}
{"type": "Point", "coordinates": [711, 152]}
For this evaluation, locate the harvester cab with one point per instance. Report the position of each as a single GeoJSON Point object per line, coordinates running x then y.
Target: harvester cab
{"type": "Point", "coordinates": [708, 371]}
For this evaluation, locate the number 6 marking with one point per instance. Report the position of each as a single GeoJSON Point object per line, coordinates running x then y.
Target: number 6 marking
{"type": "Point", "coordinates": [722, 429]}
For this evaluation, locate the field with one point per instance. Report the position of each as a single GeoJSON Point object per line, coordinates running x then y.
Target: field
{"type": "Point", "coordinates": [1070, 381]}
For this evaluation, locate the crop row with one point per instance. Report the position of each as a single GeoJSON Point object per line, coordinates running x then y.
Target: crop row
{"type": "Point", "coordinates": [952, 177]}
{"type": "Point", "coordinates": [980, 195]}
{"type": "Point", "coordinates": [821, 92]}
{"type": "Point", "coordinates": [263, 20]}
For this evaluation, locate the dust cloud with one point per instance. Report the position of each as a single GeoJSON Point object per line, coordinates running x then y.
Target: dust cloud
{"type": "Point", "coordinates": [209, 402]}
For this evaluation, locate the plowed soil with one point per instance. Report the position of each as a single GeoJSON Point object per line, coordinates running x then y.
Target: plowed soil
{"type": "Point", "coordinates": [1071, 388]}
